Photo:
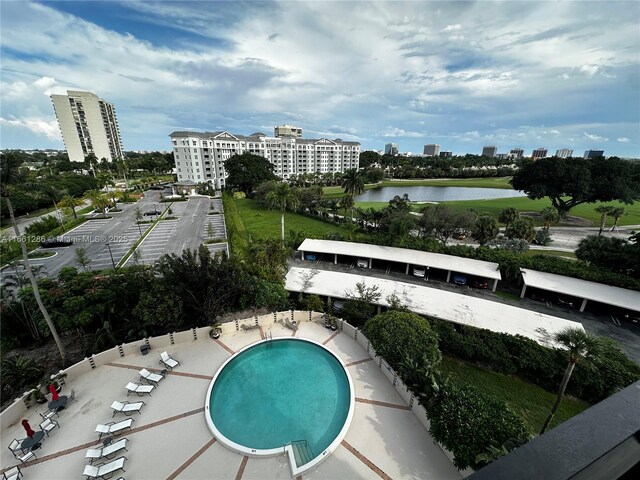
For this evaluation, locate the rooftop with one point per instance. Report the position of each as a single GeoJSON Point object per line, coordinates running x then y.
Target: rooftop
{"type": "Point", "coordinates": [170, 438]}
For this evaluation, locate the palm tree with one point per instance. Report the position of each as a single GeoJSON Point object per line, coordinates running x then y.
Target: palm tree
{"type": "Point", "coordinates": [616, 213]}
{"type": "Point", "coordinates": [603, 210]}
{"type": "Point", "coordinates": [282, 196]}
{"type": "Point", "coordinates": [353, 184]}
{"type": "Point", "coordinates": [9, 175]}
{"type": "Point", "coordinates": [578, 344]}
{"type": "Point", "coordinates": [549, 216]}
{"type": "Point", "coordinates": [70, 202]}
{"type": "Point", "coordinates": [508, 216]}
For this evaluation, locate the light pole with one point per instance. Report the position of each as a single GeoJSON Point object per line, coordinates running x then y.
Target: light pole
{"type": "Point", "coordinates": [111, 255]}
{"type": "Point", "coordinates": [155, 210]}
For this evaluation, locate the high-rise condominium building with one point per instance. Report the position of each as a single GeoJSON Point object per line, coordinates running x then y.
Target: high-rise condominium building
{"type": "Point", "coordinates": [539, 153]}
{"type": "Point", "coordinates": [489, 151]}
{"type": "Point", "coordinates": [88, 125]}
{"type": "Point", "coordinates": [391, 149]}
{"type": "Point", "coordinates": [564, 153]}
{"type": "Point", "coordinates": [200, 157]}
{"type": "Point", "coordinates": [594, 153]}
{"type": "Point", "coordinates": [446, 154]}
{"type": "Point", "coordinates": [516, 153]}
{"type": "Point", "coordinates": [431, 150]}
{"type": "Point", "coordinates": [287, 131]}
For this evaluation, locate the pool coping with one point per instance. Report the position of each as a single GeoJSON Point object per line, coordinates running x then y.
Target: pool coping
{"type": "Point", "coordinates": [285, 449]}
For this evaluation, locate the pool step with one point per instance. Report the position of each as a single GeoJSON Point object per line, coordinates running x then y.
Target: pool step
{"type": "Point", "coordinates": [301, 452]}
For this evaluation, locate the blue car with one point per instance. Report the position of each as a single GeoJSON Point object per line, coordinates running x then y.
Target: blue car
{"type": "Point", "coordinates": [310, 256]}
{"type": "Point", "coordinates": [460, 279]}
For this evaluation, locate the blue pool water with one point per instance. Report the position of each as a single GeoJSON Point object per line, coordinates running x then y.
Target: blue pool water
{"type": "Point", "coordinates": [281, 391]}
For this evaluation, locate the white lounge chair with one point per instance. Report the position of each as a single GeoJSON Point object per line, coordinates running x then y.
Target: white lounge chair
{"type": "Point", "coordinates": [126, 407]}
{"type": "Point", "coordinates": [49, 414]}
{"type": "Point", "coordinates": [104, 452]}
{"type": "Point", "coordinates": [113, 427]}
{"type": "Point", "coordinates": [107, 469]}
{"type": "Point", "coordinates": [139, 389]}
{"type": "Point", "coordinates": [168, 361]}
{"type": "Point", "coordinates": [15, 446]}
{"type": "Point", "coordinates": [12, 474]}
{"type": "Point", "coordinates": [150, 377]}
{"type": "Point", "coordinates": [24, 458]}
{"type": "Point", "coordinates": [48, 425]}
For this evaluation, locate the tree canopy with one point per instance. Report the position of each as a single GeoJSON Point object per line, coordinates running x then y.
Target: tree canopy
{"type": "Point", "coordinates": [247, 171]}
{"type": "Point", "coordinates": [568, 182]}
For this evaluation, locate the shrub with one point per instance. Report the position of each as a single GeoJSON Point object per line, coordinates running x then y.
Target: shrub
{"type": "Point", "coordinates": [467, 422]}
{"type": "Point", "coordinates": [42, 226]}
{"type": "Point", "coordinates": [406, 341]}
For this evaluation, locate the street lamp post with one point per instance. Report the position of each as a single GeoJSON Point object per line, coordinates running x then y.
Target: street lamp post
{"type": "Point", "coordinates": [111, 255]}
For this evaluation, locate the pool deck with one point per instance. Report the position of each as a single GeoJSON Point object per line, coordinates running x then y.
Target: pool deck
{"type": "Point", "coordinates": [170, 439]}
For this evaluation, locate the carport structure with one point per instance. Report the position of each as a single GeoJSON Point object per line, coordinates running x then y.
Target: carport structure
{"type": "Point", "coordinates": [448, 263]}
{"type": "Point", "coordinates": [583, 289]}
{"type": "Point", "coordinates": [434, 302]}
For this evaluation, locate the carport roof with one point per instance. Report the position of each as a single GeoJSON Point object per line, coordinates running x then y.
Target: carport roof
{"type": "Point", "coordinates": [404, 255]}
{"type": "Point", "coordinates": [576, 287]}
{"type": "Point", "coordinates": [455, 307]}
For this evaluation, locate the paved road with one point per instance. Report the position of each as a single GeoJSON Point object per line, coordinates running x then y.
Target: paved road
{"type": "Point", "coordinates": [25, 220]}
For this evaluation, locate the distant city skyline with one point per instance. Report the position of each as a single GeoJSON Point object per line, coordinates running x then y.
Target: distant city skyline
{"type": "Point", "coordinates": [462, 75]}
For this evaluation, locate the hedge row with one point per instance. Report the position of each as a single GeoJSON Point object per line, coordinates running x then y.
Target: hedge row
{"type": "Point", "coordinates": [592, 380]}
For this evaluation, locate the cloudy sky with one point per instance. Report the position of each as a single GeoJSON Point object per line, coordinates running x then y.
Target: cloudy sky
{"type": "Point", "coordinates": [460, 74]}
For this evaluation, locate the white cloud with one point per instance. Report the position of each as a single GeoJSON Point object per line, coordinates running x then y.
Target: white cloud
{"type": "Point", "coordinates": [39, 126]}
{"type": "Point", "coordinates": [450, 28]}
{"type": "Point", "coordinates": [595, 138]}
{"type": "Point", "coordinates": [624, 140]}
{"type": "Point", "coordinates": [399, 132]}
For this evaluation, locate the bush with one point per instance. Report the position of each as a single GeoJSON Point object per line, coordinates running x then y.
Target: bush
{"type": "Point", "coordinates": [467, 422]}
{"type": "Point", "coordinates": [406, 341]}
{"type": "Point", "coordinates": [43, 226]}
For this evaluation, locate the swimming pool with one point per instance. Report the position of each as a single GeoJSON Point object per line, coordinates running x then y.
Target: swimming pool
{"type": "Point", "coordinates": [280, 391]}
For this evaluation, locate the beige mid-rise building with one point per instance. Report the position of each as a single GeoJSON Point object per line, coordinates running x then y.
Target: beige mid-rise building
{"type": "Point", "coordinates": [88, 125]}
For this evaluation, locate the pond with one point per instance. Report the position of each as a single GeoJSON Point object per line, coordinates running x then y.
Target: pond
{"type": "Point", "coordinates": [436, 194]}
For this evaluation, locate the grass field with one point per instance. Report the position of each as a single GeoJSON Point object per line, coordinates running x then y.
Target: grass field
{"type": "Point", "coordinates": [531, 402]}
{"type": "Point", "coordinates": [552, 253]}
{"type": "Point", "coordinates": [250, 220]}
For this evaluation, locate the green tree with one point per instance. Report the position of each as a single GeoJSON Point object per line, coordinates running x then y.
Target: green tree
{"type": "Point", "coordinates": [603, 210]}
{"type": "Point", "coordinates": [70, 202]}
{"type": "Point", "coordinates": [616, 213]}
{"type": "Point", "coordinates": [443, 222]}
{"type": "Point", "coordinates": [353, 184]}
{"type": "Point", "coordinates": [609, 252]}
{"type": "Point", "coordinates": [568, 182]}
{"type": "Point", "coordinates": [9, 175]}
{"type": "Point", "coordinates": [549, 216]}
{"type": "Point", "coordinates": [99, 201]}
{"type": "Point", "coordinates": [521, 228]}
{"type": "Point", "coordinates": [508, 216]}
{"type": "Point", "coordinates": [82, 258]}
{"type": "Point", "coordinates": [368, 157]}
{"type": "Point", "coordinates": [578, 344]}
{"type": "Point", "coordinates": [283, 196]}
{"type": "Point", "coordinates": [247, 171]}
{"type": "Point", "coordinates": [485, 229]}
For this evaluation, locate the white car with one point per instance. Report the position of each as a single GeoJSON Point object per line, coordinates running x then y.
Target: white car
{"type": "Point", "coordinates": [419, 272]}
{"type": "Point", "coordinates": [363, 263]}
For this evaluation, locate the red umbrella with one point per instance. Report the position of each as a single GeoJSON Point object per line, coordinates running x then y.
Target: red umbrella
{"type": "Point", "coordinates": [54, 394]}
{"type": "Point", "coordinates": [27, 427]}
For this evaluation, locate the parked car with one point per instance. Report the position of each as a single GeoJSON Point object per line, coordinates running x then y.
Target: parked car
{"type": "Point", "coordinates": [479, 283]}
{"type": "Point", "coordinates": [537, 297]}
{"type": "Point", "coordinates": [362, 263]}
{"type": "Point", "coordinates": [56, 242]}
{"type": "Point", "coordinates": [151, 212]}
{"type": "Point", "coordinates": [566, 302]}
{"type": "Point", "coordinates": [338, 305]}
{"type": "Point", "coordinates": [419, 272]}
{"type": "Point", "coordinates": [310, 257]}
{"type": "Point", "coordinates": [460, 279]}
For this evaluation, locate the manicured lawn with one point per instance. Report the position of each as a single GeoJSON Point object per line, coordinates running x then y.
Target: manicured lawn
{"type": "Point", "coordinates": [531, 402]}
{"type": "Point", "coordinates": [524, 204]}
{"type": "Point", "coordinates": [260, 222]}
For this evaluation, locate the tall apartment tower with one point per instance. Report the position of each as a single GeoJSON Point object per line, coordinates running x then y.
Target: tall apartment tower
{"type": "Point", "coordinates": [88, 125]}
{"type": "Point", "coordinates": [287, 131]}
{"type": "Point", "coordinates": [564, 153]}
{"type": "Point", "coordinates": [431, 150]}
{"type": "Point", "coordinates": [593, 153]}
{"type": "Point", "coordinates": [516, 153]}
{"type": "Point", "coordinates": [391, 149]}
{"type": "Point", "coordinates": [539, 153]}
{"type": "Point", "coordinates": [489, 151]}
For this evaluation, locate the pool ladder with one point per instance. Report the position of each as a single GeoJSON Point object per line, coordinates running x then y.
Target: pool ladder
{"type": "Point", "coordinates": [268, 336]}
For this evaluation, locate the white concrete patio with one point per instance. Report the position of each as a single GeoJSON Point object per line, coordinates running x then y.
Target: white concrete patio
{"type": "Point", "coordinates": [170, 439]}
